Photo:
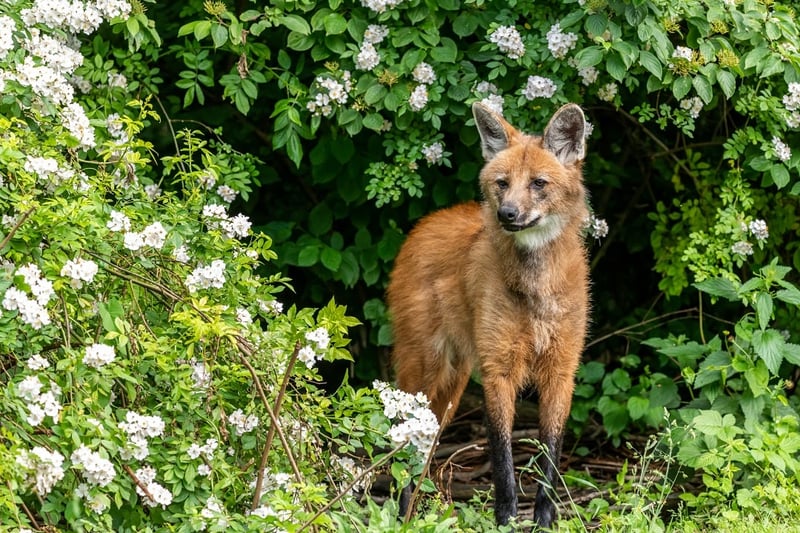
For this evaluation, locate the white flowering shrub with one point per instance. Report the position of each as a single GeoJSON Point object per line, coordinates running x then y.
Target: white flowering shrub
{"type": "Point", "coordinates": [152, 378]}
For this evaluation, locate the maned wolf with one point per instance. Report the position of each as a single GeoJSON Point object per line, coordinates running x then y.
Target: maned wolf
{"type": "Point", "coordinates": [502, 284]}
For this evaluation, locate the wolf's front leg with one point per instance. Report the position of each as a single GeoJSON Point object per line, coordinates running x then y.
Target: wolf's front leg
{"type": "Point", "coordinates": [500, 396]}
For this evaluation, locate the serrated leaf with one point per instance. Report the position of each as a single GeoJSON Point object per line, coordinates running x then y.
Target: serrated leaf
{"type": "Point", "coordinates": [763, 309]}
{"type": "Point", "coordinates": [789, 295]}
{"type": "Point", "coordinates": [727, 82]}
{"type": "Point", "coordinates": [757, 378]}
{"type": "Point", "coordinates": [708, 422]}
{"type": "Point", "coordinates": [650, 63]}
{"type": "Point", "coordinates": [791, 352]}
{"type": "Point", "coordinates": [638, 407]}
{"type": "Point", "coordinates": [721, 287]}
{"type": "Point", "coordinates": [769, 345]}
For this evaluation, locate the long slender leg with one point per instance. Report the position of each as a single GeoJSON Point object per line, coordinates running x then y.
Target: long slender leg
{"type": "Point", "coordinates": [555, 399]}
{"type": "Point", "coordinates": [500, 396]}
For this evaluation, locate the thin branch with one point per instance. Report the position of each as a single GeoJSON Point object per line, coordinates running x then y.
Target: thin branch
{"type": "Point", "coordinates": [415, 494]}
{"type": "Point", "coordinates": [14, 229]}
{"type": "Point", "coordinates": [67, 328]}
{"type": "Point", "coordinates": [28, 512]}
{"type": "Point", "coordinates": [271, 434]}
{"type": "Point", "coordinates": [352, 484]}
{"type": "Point", "coordinates": [639, 324]}
{"type": "Point", "coordinates": [172, 131]}
{"type": "Point", "coordinates": [138, 482]}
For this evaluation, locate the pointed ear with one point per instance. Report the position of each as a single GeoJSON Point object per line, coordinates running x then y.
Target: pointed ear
{"type": "Point", "coordinates": [565, 134]}
{"type": "Point", "coordinates": [495, 132]}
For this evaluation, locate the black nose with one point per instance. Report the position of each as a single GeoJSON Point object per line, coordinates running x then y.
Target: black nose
{"type": "Point", "coordinates": [507, 213]}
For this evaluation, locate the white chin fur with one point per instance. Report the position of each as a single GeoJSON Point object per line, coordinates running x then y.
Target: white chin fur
{"type": "Point", "coordinates": [548, 228]}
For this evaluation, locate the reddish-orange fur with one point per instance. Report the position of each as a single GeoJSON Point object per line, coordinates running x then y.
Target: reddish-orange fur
{"type": "Point", "coordinates": [466, 292]}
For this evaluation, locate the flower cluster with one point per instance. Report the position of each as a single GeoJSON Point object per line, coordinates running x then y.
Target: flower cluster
{"type": "Point", "coordinates": [596, 227]}
{"type": "Point", "coordinates": [560, 43]}
{"type": "Point", "coordinates": [419, 98]}
{"type": "Point", "coordinates": [758, 228]}
{"type": "Point", "coordinates": [417, 423]}
{"type": "Point", "coordinates": [693, 105]}
{"type": "Point", "coordinates": [243, 316]}
{"type": "Point", "coordinates": [242, 423]}
{"type": "Point", "coordinates": [379, 6]}
{"type": "Point", "coordinates": [375, 33]}
{"type": "Point", "coordinates": [138, 429]}
{"type": "Point", "coordinates": [434, 153]}
{"type": "Point", "coordinates": [782, 150]}
{"type": "Point", "coordinates": [7, 27]}
{"type": "Point", "coordinates": [206, 450]}
{"type": "Point", "coordinates": [743, 248]}
{"type": "Point", "coordinates": [227, 193]}
{"type": "Point", "coordinates": [39, 404]}
{"type": "Point", "coordinates": [79, 270]}
{"type": "Point", "coordinates": [216, 218]}
{"type": "Point", "coordinates": [32, 311]}
{"type": "Point", "coordinates": [509, 41]}
{"type": "Point", "coordinates": [201, 377]}
{"type": "Point", "coordinates": [423, 73]}
{"type": "Point", "coordinates": [37, 362]}
{"type": "Point", "coordinates": [48, 171]}
{"type": "Point", "coordinates": [494, 102]}
{"type": "Point", "coordinates": [329, 92]}
{"type": "Point", "coordinates": [349, 468]}
{"type": "Point", "coordinates": [74, 16]}
{"type": "Point", "coordinates": [310, 354]}
{"type": "Point", "coordinates": [539, 87]}
{"type": "Point", "coordinates": [43, 468]}
{"type": "Point", "coordinates": [368, 57]}
{"type": "Point", "coordinates": [588, 75]}
{"type": "Point", "coordinates": [682, 52]}
{"type": "Point", "coordinates": [181, 254]}
{"type": "Point", "coordinates": [791, 100]}
{"type": "Point", "coordinates": [98, 355]}
{"type": "Point", "coordinates": [96, 469]}
{"type": "Point", "coordinates": [270, 307]}
{"type": "Point", "coordinates": [155, 493]}
{"type": "Point", "coordinates": [206, 276]}
{"type": "Point", "coordinates": [607, 92]}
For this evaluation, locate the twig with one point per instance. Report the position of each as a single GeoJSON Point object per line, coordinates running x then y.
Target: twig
{"type": "Point", "coordinates": [424, 474]}
{"type": "Point", "coordinates": [28, 512]}
{"type": "Point", "coordinates": [352, 484]}
{"type": "Point", "coordinates": [14, 229]}
{"type": "Point", "coordinates": [67, 328]}
{"type": "Point", "coordinates": [639, 324]}
{"type": "Point", "coordinates": [172, 132]}
{"type": "Point", "coordinates": [138, 482]}
{"type": "Point", "coordinates": [271, 434]}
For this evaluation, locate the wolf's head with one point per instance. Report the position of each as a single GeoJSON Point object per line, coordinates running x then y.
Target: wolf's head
{"type": "Point", "coordinates": [533, 184]}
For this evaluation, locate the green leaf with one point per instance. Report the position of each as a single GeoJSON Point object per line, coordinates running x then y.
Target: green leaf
{"type": "Point", "coordinates": [320, 219]}
{"type": "Point", "coordinates": [779, 175]}
{"type": "Point", "coordinates": [590, 56]}
{"type": "Point", "coordinates": [721, 287]}
{"type": "Point", "coordinates": [615, 66]}
{"type": "Point", "coordinates": [375, 94]}
{"type": "Point", "coordinates": [308, 256]}
{"type": "Point", "coordinates": [703, 88]}
{"type": "Point", "coordinates": [299, 42]}
{"type": "Point", "coordinates": [446, 53]}
{"type": "Point", "coordinates": [331, 259]}
{"type": "Point", "coordinates": [763, 309]}
{"type": "Point", "coordinates": [202, 29]}
{"type": "Point", "coordinates": [638, 407]}
{"type": "Point", "coordinates": [681, 87]}
{"type": "Point", "coordinates": [591, 372]}
{"type": "Point", "coordinates": [757, 378]}
{"type": "Point", "coordinates": [295, 23]}
{"type": "Point", "coordinates": [727, 82]}
{"type": "Point", "coordinates": [373, 121]}
{"type": "Point", "coordinates": [465, 24]}
{"type": "Point", "coordinates": [769, 345]}
{"type": "Point", "coordinates": [790, 295]}
{"type": "Point", "coordinates": [186, 29]}
{"type": "Point", "coordinates": [596, 24]}
{"type": "Point", "coordinates": [708, 422]}
{"type": "Point", "coordinates": [219, 34]}
{"type": "Point", "coordinates": [335, 24]}
{"type": "Point", "coordinates": [651, 63]}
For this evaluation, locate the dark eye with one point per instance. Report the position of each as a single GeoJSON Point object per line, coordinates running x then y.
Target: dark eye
{"type": "Point", "coordinates": [502, 184]}
{"type": "Point", "coordinates": [538, 183]}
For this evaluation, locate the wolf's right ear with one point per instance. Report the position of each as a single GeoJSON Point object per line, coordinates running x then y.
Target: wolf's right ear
{"type": "Point", "coordinates": [495, 132]}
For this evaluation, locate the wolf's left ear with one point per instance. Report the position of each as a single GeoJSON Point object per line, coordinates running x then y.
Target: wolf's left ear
{"type": "Point", "coordinates": [565, 136]}
{"type": "Point", "coordinates": [496, 134]}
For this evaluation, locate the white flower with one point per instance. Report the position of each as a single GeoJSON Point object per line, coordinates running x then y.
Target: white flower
{"type": "Point", "coordinates": [560, 43]}
{"type": "Point", "coordinates": [200, 375]}
{"type": "Point", "coordinates": [509, 41]}
{"type": "Point", "coordinates": [742, 248]}
{"type": "Point", "coordinates": [96, 469]}
{"type": "Point", "coordinates": [7, 27]}
{"type": "Point", "coordinates": [152, 191]}
{"type": "Point", "coordinates": [181, 254]}
{"type": "Point", "coordinates": [74, 119]}
{"type": "Point", "coordinates": [792, 99]}
{"type": "Point", "coordinates": [194, 451]}
{"type": "Point", "coordinates": [116, 79]}
{"type": "Point", "coordinates": [214, 211]}
{"type": "Point", "coordinates": [227, 193]}
{"type": "Point", "coordinates": [270, 307]}
{"type": "Point", "coordinates": [307, 355]}
{"type": "Point", "coordinates": [238, 226]}
{"type": "Point", "coordinates": [539, 87]}
{"type": "Point", "coordinates": [243, 316]}
{"type": "Point", "coordinates": [597, 227]}
{"type": "Point", "coordinates": [29, 388]}
{"type": "Point", "coordinates": [416, 422]}
{"type": "Point", "coordinates": [433, 153]}
{"type": "Point", "coordinates": [588, 75]}
{"type": "Point", "coordinates": [682, 52]}
{"type": "Point", "coordinates": [207, 178]}
{"type": "Point", "coordinates": [98, 355]}
{"type": "Point", "coordinates": [160, 496]}
{"type": "Point", "coordinates": [375, 33]}
{"type": "Point", "coordinates": [379, 6]}
{"type": "Point", "coordinates": [419, 98]}
{"type": "Point", "coordinates": [588, 130]}
{"type": "Point", "coordinates": [423, 73]}
{"type": "Point", "coordinates": [207, 276]}
{"type": "Point", "coordinates": [758, 228]}
{"type": "Point", "coordinates": [79, 271]}
{"type": "Point", "coordinates": [367, 58]}
{"type": "Point", "coordinates": [693, 105]}
{"type": "Point", "coordinates": [320, 336]}
{"type": "Point", "coordinates": [154, 235]}
{"type": "Point", "coordinates": [494, 102]}
{"type": "Point", "coordinates": [607, 92]}
{"type": "Point", "coordinates": [782, 151]}
{"type": "Point", "coordinates": [43, 468]}
{"type": "Point", "coordinates": [203, 470]}
{"type": "Point", "coordinates": [119, 222]}
{"type": "Point", "coordinates": [37, 362]}
{"type": "Point", "coordinates": [242, 423]}
{"type": "Point", "coordinates": [486, 87]}
{"type": "Point", "coordinates": [133, 241]}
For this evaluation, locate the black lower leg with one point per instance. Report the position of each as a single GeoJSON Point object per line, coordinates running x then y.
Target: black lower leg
{"type": "Point", "coordinates": [545, 510]}
{"type": "Point", "coordinates": [505, 490]}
